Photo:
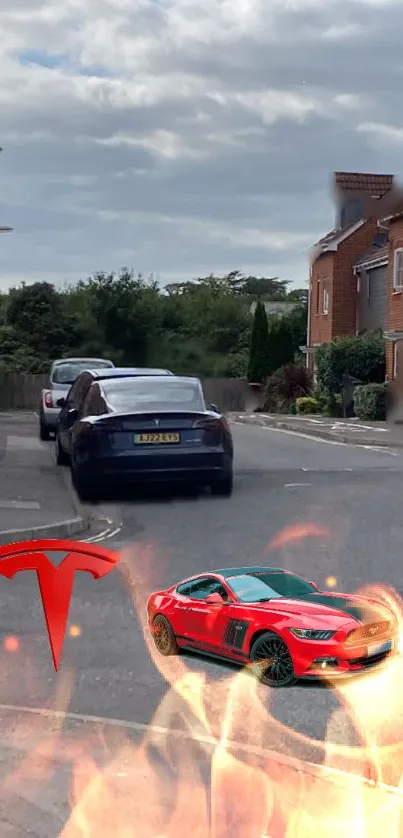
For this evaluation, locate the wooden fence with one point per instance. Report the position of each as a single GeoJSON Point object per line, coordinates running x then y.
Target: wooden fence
{"type": "Point", "coordinates": [21, 391]}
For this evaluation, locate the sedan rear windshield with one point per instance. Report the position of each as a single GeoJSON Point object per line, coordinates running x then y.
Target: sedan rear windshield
{"type": "Point", "coordinates": [249, 587]}
{"type": "Point", "coordinates": [67, 373]}
{"type": "Point", "coordinates": [153, 394]}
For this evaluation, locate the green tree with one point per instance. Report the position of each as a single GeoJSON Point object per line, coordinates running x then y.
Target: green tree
{"type": "Point", "coordinates": [37, 316]}
{"type": "Point", "coordinates": [259, 362]}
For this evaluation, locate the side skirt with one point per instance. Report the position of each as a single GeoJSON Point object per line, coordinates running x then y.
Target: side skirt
{"type": "Point", "coordinates": [238, 658]}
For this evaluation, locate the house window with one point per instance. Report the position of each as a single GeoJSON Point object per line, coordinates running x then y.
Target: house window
{"type": "Point", "coordinates": [398, 270]}
{"type": "Point", "coordinates": [317, 296]}
{"type": "Point", "coordinates": [325, 309]}
{"type": "Point", "coordinates": [395, 359]}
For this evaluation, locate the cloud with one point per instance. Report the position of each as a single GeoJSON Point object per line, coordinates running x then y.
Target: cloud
{"type": "Point", "coordinates": [181, 137]}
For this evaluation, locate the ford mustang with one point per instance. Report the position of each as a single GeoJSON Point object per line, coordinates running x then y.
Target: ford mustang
{"type": "Point", "coordinates": [281, 626]}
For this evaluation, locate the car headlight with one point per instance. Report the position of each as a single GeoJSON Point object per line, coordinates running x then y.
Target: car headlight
{"type": "Point", "coordinates": [312, 634]}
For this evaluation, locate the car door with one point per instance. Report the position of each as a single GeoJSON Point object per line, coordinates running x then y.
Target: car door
{"type": "Point", "coordinates": [205, 622]}
{"type": "Point", "coordinates": [72, 411]}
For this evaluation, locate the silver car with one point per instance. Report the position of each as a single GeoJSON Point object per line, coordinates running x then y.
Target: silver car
{"type": "Point", "coordinates": [63, 373]}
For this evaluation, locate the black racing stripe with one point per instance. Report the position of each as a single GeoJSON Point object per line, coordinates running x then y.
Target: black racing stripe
{"type": "Point", "coordinates": [361, 611]}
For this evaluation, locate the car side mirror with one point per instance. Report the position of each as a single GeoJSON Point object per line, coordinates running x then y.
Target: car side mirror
{"type": "Point", "coordinates": [314, 585]}
{"type": "Point", "coordinates": [215, 599]}
{"type": "Point", "coordinates": [214, 408]}
{"type": "Point", "coordinates": [72, 415]}
{"type": "Point", "coordinates": [61, 403]}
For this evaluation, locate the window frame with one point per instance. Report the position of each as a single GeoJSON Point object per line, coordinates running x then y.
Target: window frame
{"type": "Point", "coordinates": [325, 297]}
{"type": "Point", "coordinates": [398, 270]}
{"type": "Point", "coordinates": [395, 359]}
{"type": "Point", "coordinates": [207, 579]}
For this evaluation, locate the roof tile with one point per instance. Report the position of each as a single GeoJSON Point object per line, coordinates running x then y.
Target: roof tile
{"type": "Point", "coordinates": [375, 185]}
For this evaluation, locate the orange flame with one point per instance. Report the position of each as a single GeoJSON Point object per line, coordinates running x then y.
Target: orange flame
{"type": "Point", "coordinates": [216, 761]}
{"type": "Point", "coordinates": [295, 533]}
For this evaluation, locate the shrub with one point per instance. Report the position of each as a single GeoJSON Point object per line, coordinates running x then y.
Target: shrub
{"type": "Point", "coordinates": [307, 404]}
{"type": "Point", "coordinates": [370, 402]}
{"type": "Point", "coordinates": [285, 386]}
{"type": "Point", "coordinates": [362, 357]}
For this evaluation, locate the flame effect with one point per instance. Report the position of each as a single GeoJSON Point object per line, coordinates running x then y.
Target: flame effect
{"type": "Point", "coordinates": [257, 783]}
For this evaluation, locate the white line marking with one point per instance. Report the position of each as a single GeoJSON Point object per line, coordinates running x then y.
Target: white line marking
{"type": "Point", "coordinates": [19, 504]}
{"type": "Point", "coordinates": [320, 439]}
{"type": "Point", "coordinates": [102, 536]}
{"type": "Point", "coordinates": [299, 765]}
{"type": "Point", "coordinates": [295, 485]}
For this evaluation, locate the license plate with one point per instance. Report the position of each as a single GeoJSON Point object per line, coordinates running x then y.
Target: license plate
{"type": "Point", "coordinates": [156, 439]}
{"type": "Point", "coordinates": [379, 648]}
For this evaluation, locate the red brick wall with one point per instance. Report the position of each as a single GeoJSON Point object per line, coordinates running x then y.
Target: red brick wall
{"type": "Point", "coordinates": [395, 299]}
{"type": "Point", "coordinates": [344, 310]}
{"type": "Point", "coordinates": [322, 276]}
{"type": "Point", "coordinates": [334, 270]}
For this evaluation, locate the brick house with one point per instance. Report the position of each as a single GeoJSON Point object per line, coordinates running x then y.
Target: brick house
{"type": "Point", "coordinates": [349, 266]}
{"type": "Point", "coordinates": [394, 328]}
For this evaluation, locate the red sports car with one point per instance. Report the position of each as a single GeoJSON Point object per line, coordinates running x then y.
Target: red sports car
{"type": "Point", "coordinates": [281, 626]}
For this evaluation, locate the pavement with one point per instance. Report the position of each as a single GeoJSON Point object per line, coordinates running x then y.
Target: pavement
{"type": "Point", "coordinates": [36, 496]}
{"type": "Point", "coordinates": [288, 486]}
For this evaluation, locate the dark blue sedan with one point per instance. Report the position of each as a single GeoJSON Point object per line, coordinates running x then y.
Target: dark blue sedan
{"type": "Point", "coordinates": [149, 429]}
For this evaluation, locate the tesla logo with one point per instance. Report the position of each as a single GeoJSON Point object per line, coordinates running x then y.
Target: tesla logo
{"type": "Point", "coordinates": [373, 630]}
{"type": "Point", "coordinates": [156, 421]}
{"type": "Point", "coordinates": [56, 583]}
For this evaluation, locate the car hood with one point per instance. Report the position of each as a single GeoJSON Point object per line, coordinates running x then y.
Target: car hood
{"type": "Point", "coordinates": [340, 608]}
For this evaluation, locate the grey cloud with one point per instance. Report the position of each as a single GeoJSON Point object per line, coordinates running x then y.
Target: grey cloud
{"type": "Point", "coordinates": [254, 177]}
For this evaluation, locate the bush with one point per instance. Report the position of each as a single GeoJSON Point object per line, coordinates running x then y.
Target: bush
{"type": "Point", "coordinates": [362, 357]}
{"type": "Point", "coordinates": [370, 402]}
{"type": "Point", "coordinates": [285, 386]}
{"type": "Point", "coordinates": [307, 404]}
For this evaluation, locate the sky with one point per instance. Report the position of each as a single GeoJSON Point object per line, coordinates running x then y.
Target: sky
{"type": "Point", "coordinates": [182, 138]}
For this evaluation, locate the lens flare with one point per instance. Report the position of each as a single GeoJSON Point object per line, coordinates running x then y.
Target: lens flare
{"type": "Point", "coordinates": [11, 643]}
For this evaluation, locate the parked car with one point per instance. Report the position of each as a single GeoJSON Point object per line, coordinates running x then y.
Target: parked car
{"type": "Point", "coordinates": [131, 428]}
{"type": "Point", "coordinates": [280, 626]}
{"type": "Point", "coordinates": [62, 375]}
{"type": "Point", "coordinates": [72, 406]}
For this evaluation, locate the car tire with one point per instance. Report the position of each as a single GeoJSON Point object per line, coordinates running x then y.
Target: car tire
{"type": "Point", "coordinates": [44, 433]}
{"type": "Point", "coordinates": [62, 459]}
{"type": "Point", "coordinates": [84, 486]}
{"type": "Point", "coordinates": [270, 646]}
{"type": "Point", "coordinates": [164, 637]}
{"type": "Point", "coordinates": [223, 486]}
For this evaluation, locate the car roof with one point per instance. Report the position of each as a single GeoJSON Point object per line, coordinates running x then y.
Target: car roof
{"type": "Point", "coordinates": [227, 572]}
{"type": "Point", "coordinates": [83, 361]}
{"type": "Point", "coordinates": [126, 372]}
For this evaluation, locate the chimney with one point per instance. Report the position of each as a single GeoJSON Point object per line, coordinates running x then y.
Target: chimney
{"type": "Point", "coordinates": [353, 191]}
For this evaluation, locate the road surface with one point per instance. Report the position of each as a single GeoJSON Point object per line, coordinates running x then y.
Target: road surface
{"type": "Point", "coordinates": [282, 481]}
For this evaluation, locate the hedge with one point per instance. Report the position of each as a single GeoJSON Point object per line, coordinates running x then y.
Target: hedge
{"type": "Point", "coordinates": [370, 402]}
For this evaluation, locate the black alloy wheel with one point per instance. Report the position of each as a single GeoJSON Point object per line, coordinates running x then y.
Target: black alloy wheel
{"type": "Point", "coordinates": [271, 661]}
{"type": "Point", "coordinates": [62, 459]}
{"type": "Point", "coordinates": [44, 433]}
{"type": "Point", "coordinates": [164, 637]}
{"type": "Point", "coordinates": [84, 486]}
{"type": "Point", "coordinates": [223, 486]}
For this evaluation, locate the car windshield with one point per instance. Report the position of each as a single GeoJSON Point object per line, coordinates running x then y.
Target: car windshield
{"type": "Point", "coordinates": [68, 372]}
{"type": "Point", "coordinates": [265, 585]}
{"type": "Point", "coordinates": [153, 394]}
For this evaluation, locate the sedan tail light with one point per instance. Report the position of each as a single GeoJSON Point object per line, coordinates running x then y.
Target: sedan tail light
{"type": "Point", "coordinates": [208, 424]}
{"type": "Point", "coordinates": [48, 399]}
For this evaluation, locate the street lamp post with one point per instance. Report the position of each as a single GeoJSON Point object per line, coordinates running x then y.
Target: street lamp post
{"type": "Point", "coordinates": [5, 229]}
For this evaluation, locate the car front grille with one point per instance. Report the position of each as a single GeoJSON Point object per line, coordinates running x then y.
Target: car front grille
{"type": "Point", "coordinates": [369, 633]}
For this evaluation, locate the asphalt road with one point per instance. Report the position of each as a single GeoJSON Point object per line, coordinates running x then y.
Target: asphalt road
{"type": "Point", "coordinates": [282, 480]}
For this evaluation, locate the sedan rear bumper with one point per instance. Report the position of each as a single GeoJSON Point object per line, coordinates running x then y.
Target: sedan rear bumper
{"type": "Point", "coordinates": [177, 465]}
